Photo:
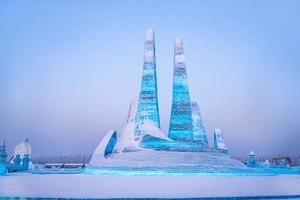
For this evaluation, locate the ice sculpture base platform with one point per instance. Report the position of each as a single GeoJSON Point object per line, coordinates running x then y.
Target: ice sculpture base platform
{"type": "Point", "coordinates": [152, 162]}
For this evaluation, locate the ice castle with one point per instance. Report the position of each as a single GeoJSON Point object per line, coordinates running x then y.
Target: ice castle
{"type": "Point", "coordinates": [141, 143]}
{"type": "Point", "coordinates": [21, 159]}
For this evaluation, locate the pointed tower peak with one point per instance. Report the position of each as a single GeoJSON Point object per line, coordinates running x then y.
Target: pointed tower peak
{"type": "Point", "coordinates": [218, 131]}
{"type": "Point", "coordinates": [150, 34]}
{"type": "Point", "coordinates": [178, 43]}
{"type": "Point", "coordinates": [179, 53]}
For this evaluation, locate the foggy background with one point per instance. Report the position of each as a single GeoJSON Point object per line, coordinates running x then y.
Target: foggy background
{"type": "Point", "coordinates": [69, 69]}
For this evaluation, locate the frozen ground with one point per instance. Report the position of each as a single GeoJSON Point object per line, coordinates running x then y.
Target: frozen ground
{"type": "Point", "coordinates": [95, 186]}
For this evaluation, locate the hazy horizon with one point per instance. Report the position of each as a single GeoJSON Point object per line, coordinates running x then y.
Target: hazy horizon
{"type": "Point", "coordinates": [69, 70]}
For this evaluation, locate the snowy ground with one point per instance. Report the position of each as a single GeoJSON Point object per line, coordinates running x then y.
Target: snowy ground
{"type": "Point", "coordinates": [95, 186]}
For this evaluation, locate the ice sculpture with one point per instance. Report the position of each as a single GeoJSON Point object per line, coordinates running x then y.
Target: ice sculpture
{"type": "Point", "coordinates": [148, 100]}
{"type": "Point", "coordinates": [251, 162]}
{"type": "Point", "coordinates": [3, 154]}
{"type": "Point", "coordinates": [219, 143]}
{"type": "Point", "coordinates": [106, 146]}
{"type": "Point", "coordinates": [21, 158]}
{"type": "Point", "coordinates": [16, 165]}
{"type": "Point", "coordinates": [141, 145]}
{"type": "Point", "coordinates": [23, 148]}
{"type": "Point", "coordinates": [3, 157]}
{"type": "Point", "coordinates": [181, 127]}
{"type": "Point", "coordinates": [128, 140]}
{"type": "Point", "coordinates": [265, 163]}
{"type": "Point", "coordinates": [150, 129]}
{"type": "Point", "coordinates": [132, 110]}
{"type": "Point", "coordinates": [199, 133]}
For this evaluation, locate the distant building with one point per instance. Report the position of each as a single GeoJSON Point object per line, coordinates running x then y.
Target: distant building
{"type": "Point", "coordinates": [266, 163]}
{"type": "Point", "coordinates": [251, 162]}
{"type": "Point", "coordinates": [3, 154]}
{"type": "Point", "coordinates": [21, 158]}
{"type": "Point", "coordinates": [281, 161]}
{"type": "Point", "coordinates": [3, 157]}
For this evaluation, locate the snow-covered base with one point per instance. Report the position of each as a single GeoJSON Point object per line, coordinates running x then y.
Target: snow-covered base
{"type": "Point", "coordinates": [168, 163]}
{"type": "Point", "coordinates": [167, 159]}
{"type": "Point", "coordinates": [88, 186]}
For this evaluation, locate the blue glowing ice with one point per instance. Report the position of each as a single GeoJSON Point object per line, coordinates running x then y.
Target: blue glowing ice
{"type": "Point", "coordinates": [148, 100]}
{"type": "Point", "coordinates": [251, 162]}
{"type": "Point", "coordinates": [181, 127]}
{"type": "Point", "coordinates": [111, 144]}
{"type": "Point", "coordinates": [21, 158]}
{"type": "Point", "coordinates": [199, 133]}
{"type": "Point", "coordinates": [179, 146]}
{"type": "Point", "coordinates": [3, 157]}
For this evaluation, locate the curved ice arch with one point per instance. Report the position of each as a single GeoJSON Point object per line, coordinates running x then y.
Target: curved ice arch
{"type": "Point", "coordinates": [149, 128]}
{"type": "Point", "coordinates": [128, 141]}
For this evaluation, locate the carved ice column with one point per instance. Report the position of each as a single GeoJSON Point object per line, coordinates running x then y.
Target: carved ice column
{"type": "Point", "coordinates": [148, 100]}
{"type": "Point", "coordinates": [181, 127]}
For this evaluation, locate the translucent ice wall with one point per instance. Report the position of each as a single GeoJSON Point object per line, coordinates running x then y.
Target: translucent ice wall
{"type": "Point", "coordinates": [219, 143]}
{"type": "Point", "coordinates": [3, 154]}
{"type": "Point", "coordinates": [199, 133]}
{"type": "Point", "coordinates": [148, 101]}
{"type": "Point", "coordinates": [181, 118]}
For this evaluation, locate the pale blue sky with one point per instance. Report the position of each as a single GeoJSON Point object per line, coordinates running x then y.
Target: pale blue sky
{"type": "Point", "coordinates": [69, 69]}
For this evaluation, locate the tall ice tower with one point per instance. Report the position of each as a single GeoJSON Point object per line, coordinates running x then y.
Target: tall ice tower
{"type": "Point", "coordinates": [148, 100]}
{"type": "Point", "coordinates": [181, 127]}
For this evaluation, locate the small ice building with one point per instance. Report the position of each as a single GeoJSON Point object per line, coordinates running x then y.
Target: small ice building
{"type": "Point", "coordinates": [219, 143]}
{"type": "Point", "coordinates": [106, 146]}
{"type": "Point", "coordinates": [251, 162]}
{"type": "Point", "coordinates": [3, 157]}
{"type": "Point", "coordinates": [21, 158]}
{"type": "Point", "coordinates": [199, 133]}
